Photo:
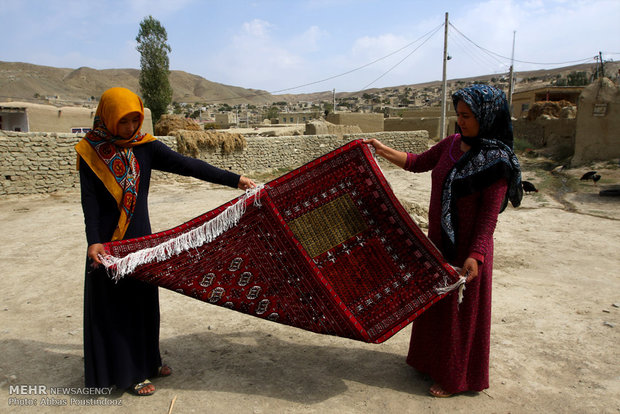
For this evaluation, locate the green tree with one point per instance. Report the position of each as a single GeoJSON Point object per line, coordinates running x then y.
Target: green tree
{"type": "Point", "coordinates": [272, 112]}
{"type": "Point", "coordinates": [154, 66]}
{"type": "Point", "coordinates": [577, 79]}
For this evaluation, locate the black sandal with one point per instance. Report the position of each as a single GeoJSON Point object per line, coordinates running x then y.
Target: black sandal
{"type": "Point", "coordinates": [136, 388]}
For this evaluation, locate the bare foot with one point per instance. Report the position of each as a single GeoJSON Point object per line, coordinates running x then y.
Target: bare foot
{"type": "Point", "coordinates": [164, 371]}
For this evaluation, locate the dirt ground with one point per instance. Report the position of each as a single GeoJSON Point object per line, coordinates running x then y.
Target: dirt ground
{"type": "Point", "coordinates": [554, 343]}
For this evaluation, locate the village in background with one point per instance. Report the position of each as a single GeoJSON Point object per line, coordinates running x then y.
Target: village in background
{"type": "Point", "coordinates": [545, 104]}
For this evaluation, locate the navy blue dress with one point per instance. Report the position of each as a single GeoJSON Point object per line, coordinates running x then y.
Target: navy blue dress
{"type": "Point", "coordinates": [121, 320]}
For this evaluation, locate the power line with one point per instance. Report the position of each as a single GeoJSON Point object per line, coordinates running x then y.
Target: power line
{"type": "Point", "coordinates": [464, 46]}
{"type": "Point", "coordinates": [611, 53]}
{"type": "Point", "coordinates": [488, 58]}
{"type": "Point", "coordinates": [366, 65]}
{"type": "Point", "coordinates": [485, 60]}
{"type": "Point", "coordinates": [520, 61]}
{"type": "Point", "coordinates": [403, 59]}
{"type": "Point", "coordinates": [430, 33]}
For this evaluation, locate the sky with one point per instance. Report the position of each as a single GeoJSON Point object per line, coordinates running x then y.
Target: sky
{"type": "Point", "coordinates": [302, 46]}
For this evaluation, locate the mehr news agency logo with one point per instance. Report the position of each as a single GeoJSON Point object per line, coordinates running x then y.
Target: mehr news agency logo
{"type": "Point", "coordinates": [42, 395]}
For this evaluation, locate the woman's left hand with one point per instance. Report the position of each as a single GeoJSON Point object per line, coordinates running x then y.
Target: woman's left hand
{"type": "Point", "coordinates": [470, 269]}
{"type": "Point", "coordinates": [245, 183]}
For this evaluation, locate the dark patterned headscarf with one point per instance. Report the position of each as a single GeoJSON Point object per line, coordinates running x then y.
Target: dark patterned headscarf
{"type": "Point", "coordinates": [490, 108]}
{"type": "Point", "coordinates": [490, 158]}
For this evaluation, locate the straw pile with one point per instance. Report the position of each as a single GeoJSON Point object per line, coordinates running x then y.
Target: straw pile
{"type": "Point", "coordinates": [170, 123]}
{"type": "Point", "coordinates": [549, 109]}
{"type": "Point", "coordinates": [192, 143]}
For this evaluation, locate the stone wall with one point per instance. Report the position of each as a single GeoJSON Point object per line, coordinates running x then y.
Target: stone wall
{"type": "Point", "coordinates": [32, 163]}
{"type": "Point", "coordinates": [423, 112]}
{"type": "Point", "coordinates": [366, 122]}
{"type": "Point", "coordinates": [322, 127]}
{"type": "Point", "coordinates": [542, 133]}
{"type": "Point", "coordinates": [431, 125]}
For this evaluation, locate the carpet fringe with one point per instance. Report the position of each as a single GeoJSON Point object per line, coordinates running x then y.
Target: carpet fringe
{"type": "Point", "coordinates": [206, 233]}
{"type": "Point", "coordinates": [459, 284]}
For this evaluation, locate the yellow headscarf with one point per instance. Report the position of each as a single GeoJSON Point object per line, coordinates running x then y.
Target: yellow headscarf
{"type": "Point", "coordinates": [111, 157]}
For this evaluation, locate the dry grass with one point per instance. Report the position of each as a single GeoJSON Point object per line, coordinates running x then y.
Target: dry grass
{"type": "Point", "coordinates": [167, 124]}
{"type": "Point", "coordinates": [551, 108]}
{"type": "Point", "coordinates": [193, 142]}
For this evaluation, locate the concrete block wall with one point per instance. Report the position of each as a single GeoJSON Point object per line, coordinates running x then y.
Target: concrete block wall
{"type": "Point", "coordinates": [41, 162]}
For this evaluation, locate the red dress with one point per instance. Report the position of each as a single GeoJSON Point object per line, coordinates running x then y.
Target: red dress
{"type": "Point", "coordinates": [450, 342]}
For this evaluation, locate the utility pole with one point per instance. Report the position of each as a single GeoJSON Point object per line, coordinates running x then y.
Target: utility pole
{"type": "Point", "coordinates": [511, 87]}
{"type": "Point", "coordinates": [444, 87]}
{"type": "Point", "coordinates": [334, 99]}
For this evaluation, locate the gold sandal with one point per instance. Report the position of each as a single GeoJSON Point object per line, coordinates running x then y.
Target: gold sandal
{"type": "Point", "coordinates": [438, 392]}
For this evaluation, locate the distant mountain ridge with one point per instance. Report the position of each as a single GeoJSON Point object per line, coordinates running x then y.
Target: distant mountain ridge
{"type": "Point", "coordinates": [26, 81]}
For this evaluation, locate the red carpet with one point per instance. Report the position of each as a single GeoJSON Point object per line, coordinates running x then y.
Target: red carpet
{"type": "Point", "coordinates": [330, 250]}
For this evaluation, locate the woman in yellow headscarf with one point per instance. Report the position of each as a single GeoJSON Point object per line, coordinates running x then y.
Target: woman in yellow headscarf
{"type": "Point", "coordinates": [121, 319]}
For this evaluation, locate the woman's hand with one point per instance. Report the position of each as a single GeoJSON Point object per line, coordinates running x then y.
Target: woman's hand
{"type": "Point", "coordinates": [396, 157]}
{"type": "Point", "coordinates": [379, 146]}
{"type": "Point", "coordinates": [245, 183]}
{"type": "Point", "coordinates": [94, 250]}
{"type": "Point", "coordinates": [470, 269]}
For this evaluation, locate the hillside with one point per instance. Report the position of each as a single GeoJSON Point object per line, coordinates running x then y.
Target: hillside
{"type": "Point", "coordinates": [25, 81]}
{"type": "Point", "coordinates": [525, 80]}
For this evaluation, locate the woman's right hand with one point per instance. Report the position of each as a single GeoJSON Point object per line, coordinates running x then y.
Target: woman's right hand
{"type": "Point", "coordinates": [379, 146]}
{"type": "Point", "coordinates": [396, 157]}
{"type": "Point", "coordinates": [94, 250]}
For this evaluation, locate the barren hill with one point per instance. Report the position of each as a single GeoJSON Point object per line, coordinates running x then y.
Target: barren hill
{"type": "Point", "coordinates": [525, 80]}
{"type": "Point", "coordinates": [25, 81]}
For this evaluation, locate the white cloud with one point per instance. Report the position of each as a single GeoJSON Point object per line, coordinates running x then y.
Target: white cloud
{"type": "Point", "coordinates": [373, 47]}
{"type": "Point", "coordinates": [253, 58]}
{"type": "Point", "coordinates": [310, 39]}
{"type": "Point", "coordinates": [546, 31]}
{"type": "Point", "coordinates": [257, 28]}
{"type": "Point", "coordinates": [328, 38]}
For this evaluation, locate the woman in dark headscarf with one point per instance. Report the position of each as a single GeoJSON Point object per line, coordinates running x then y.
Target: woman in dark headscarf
{"type": "Point", "coordinates": [121, 319]}
{"type": "Point", "coordinates": [474, 175]}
